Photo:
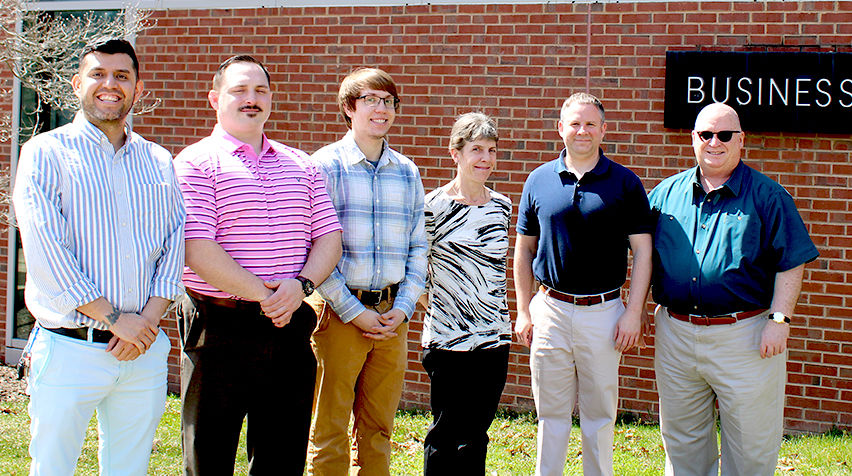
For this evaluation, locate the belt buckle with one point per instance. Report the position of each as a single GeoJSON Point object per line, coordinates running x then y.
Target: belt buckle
{"type": "Point", "coordinates": [583, 301]}
{"type": "Point", "coordinates": [371, 298]}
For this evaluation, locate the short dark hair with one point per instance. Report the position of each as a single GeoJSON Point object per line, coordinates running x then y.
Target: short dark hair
{"type": "Point", "coordinates": [112, 46]}
{"type": "Point", "coordinates": [217, 78]}
{"type": "Point", "coordinates": [359, 80]}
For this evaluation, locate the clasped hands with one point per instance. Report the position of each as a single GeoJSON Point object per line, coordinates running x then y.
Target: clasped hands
{"type": "Point", "coordinates": [379, 326]}
{"type": "Point", "coordinates": [133, 335]}
{"type": "Point", "coordinates": [285, 297]}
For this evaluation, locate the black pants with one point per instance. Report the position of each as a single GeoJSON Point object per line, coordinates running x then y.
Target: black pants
{"type": "Point", "coordinates": [466, 389]}
{"type": "Point", "coordinates": [236, 364]}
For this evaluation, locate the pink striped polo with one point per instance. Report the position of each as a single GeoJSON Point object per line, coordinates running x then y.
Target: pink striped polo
{"type": "Point", "coordinates": [263, 210]}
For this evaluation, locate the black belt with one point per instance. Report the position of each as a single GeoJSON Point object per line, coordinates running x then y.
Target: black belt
{"type": "Point", "coordinates": [224, 302]}
{"type": "Point", "coordinates": [82, 333]}
{"type": "Point", "coordinates": [714, 320]}
{"type": "Point", "coordinates": [581, 300]}
{"type": "Point", "coordinates": [373, 298]}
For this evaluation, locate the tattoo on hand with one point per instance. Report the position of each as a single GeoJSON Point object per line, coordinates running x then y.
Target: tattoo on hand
{"type": "Point", "coordinates": [112, 317]}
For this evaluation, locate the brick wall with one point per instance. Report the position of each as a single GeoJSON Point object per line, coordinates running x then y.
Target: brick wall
{"type": "Point", "coordinates": [517, 63]}
{"type": "Point", "coordinates": [5, 164]}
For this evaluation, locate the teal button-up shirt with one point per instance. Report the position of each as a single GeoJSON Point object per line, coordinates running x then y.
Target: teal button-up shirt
{"type": "Point", "coordinates": [718, 252]}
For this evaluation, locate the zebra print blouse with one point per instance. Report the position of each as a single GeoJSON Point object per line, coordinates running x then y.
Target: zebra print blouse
{"type": "Point", "coordinates": [466, 283]}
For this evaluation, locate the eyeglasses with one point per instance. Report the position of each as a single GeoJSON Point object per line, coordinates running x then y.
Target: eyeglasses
{"type": "Point", "coordinates": [373, 101]}
{"type": "Point", "coordinates": [724, 136]}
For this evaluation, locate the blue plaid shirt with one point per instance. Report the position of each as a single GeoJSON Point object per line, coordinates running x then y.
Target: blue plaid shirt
{"type": "Point", "coordinates": [384, 238]}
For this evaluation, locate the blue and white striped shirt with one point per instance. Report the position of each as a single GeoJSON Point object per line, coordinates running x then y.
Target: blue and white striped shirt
{"type": "Point", "coordinates": [384, 237]}
{"type": "Point", "coordinates": [97, 223]}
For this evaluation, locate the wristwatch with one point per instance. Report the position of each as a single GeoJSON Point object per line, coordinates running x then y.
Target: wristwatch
{"type": "Point", "coordinates": [779, 317]}
{"type": "Point", "coordinates": [308, 285]}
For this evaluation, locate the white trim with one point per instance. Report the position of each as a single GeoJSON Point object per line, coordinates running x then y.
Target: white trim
{"type": "Point", "coordinates": [13, 355]}
{"type": "Point", "coordinates": [12, 250]}
{"type": "Point", "coordinates": [236, 4]}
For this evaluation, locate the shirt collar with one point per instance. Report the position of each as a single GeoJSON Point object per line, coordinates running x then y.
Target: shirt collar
{"type": "Point", "coordinates": [354, 154]}
{"type": "Point", "coordinates": [599, 169]}
{"type": "Point", "coordinates": [232, 145]}
{"type": "Point", "coordinates": [733, 185]}
{"type": "Point", "coordinates": [92, 133]}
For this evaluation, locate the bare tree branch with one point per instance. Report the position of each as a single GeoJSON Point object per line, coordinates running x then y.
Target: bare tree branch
{"type": "Point", "coordinates": [41, 50]}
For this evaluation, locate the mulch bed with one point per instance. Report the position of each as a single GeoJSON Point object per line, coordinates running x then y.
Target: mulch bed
{"type": "Point", "coordinates": [10, 387]}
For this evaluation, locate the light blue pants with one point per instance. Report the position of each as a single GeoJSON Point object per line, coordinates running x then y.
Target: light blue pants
{"type": "Point", "coordinates": [69, 379]}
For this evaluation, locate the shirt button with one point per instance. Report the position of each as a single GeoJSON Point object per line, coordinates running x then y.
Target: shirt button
{"type": "Point", "coordinates": [695, 307]}
{"type": "Point", "coordinates": [704, 227]}
{"type": "Point", "coordinates": [697, 252]}
{"type": "Point", "coordinates": [694, 279]}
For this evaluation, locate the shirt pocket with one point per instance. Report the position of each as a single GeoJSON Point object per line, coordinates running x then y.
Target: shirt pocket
{"type": "Point", "coordinates": [155, 206]}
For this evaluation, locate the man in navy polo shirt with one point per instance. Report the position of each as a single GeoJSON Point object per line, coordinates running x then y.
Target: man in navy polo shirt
{"type": "Point", "coordinates": [729, 252]}
{"type": "Point", "coordinates": [577, 216]}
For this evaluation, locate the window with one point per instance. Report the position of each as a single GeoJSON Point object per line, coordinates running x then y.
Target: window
{"type": "Point", "coordinates": [20, 319]}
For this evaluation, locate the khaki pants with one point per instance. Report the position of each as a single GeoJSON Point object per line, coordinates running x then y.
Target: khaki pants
{"type": "Point", "coordinates": [699, 365]}
{"type": "Point", "coordinates": [360, 377]}
{"type": "Point", "coordinates": [573, 358]}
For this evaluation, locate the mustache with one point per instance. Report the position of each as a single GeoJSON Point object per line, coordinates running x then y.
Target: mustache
{"type": "Point", "coordinates": [250, 108]}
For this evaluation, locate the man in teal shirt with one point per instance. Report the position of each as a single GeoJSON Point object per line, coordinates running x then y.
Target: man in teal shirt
{"type": "Point", "coordinates": [729, 256]}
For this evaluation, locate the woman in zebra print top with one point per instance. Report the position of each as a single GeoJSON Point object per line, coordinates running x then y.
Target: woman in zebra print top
{"type": "Point", "coordinates": [466, 331]}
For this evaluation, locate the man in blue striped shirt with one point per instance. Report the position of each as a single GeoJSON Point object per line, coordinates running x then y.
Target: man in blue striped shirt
{"type": "Point", "coordinates": [101, 221]}
{"type": "Point", "coordinates": [360, 341]}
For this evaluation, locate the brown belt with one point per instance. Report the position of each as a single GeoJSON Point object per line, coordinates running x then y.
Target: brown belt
{"type": "Point", "coordinates": [715, 320]}
{"type": "Point", "coordinates": [373, 298]}
{"type": "Point", "coordinates": [224, 302]}
{"type": "Point", "coordinates": [581, 300]}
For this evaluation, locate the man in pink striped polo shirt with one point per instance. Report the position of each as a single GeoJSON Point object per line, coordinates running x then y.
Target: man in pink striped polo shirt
{"type": "Point", "coordinates": [260, 233]}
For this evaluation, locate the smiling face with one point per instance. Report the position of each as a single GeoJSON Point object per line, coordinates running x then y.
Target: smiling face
{"type": "Point", "coordinates": [717, 159]}
{"type": "Point", "coordinates": [582, 130]}
{"type": "Point", "coordinates": [107, 87]}
{"type": "Point", "coordinates": [475, 161]}
{"type": "Point", "coordinates": [371, 123]}
{"type": "Point", "coordinates": [242, 101]}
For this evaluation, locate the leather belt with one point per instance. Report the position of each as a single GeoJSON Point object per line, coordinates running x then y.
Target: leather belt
{"type": "Point", "coordinates": [82, 333]}
{"type": "Point", "coordinates": [581, 300]}
{"type": "Point", "coordinates": [224, 302]}
{"type": "Point", "coordinates": [715, 320]}
{"type": "Point", "coordinates": [373, 298]}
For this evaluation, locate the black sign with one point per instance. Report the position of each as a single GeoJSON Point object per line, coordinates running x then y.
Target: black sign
{"type": "Point", "coordinates": [796, 92]}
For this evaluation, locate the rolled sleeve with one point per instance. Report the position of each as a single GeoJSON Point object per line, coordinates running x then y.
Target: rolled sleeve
{"type": "Point", "coordinates": [335, 292]}
{"type": "Point", "coordinates": [414, 283]}
{"type": "Point", "coordinates": [167, 281]}
{"type": "Point", "coordinates": [52, 268]}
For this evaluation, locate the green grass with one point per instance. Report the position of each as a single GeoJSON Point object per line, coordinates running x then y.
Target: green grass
{"type": "Point", "coordinates": [638, 448]}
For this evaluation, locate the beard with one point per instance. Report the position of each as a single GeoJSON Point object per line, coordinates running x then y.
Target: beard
{"type": "Point", "coordinates": [107, 116]}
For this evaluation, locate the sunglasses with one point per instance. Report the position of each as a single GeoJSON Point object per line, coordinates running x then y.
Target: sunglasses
{"type": "Point", "coordinates": [724, 136]}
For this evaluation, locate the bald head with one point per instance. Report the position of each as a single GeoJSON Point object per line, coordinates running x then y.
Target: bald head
{"type": "Point", "coordinates": [715, 111]}
{"type": "Point", "coordinates": [717, 154]}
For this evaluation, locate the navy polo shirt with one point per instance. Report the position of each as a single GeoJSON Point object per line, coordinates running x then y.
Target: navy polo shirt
{"type": "Point", "coordinates": [718, 252]}
{"type": "Point", "coordinates": [583, 226]}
